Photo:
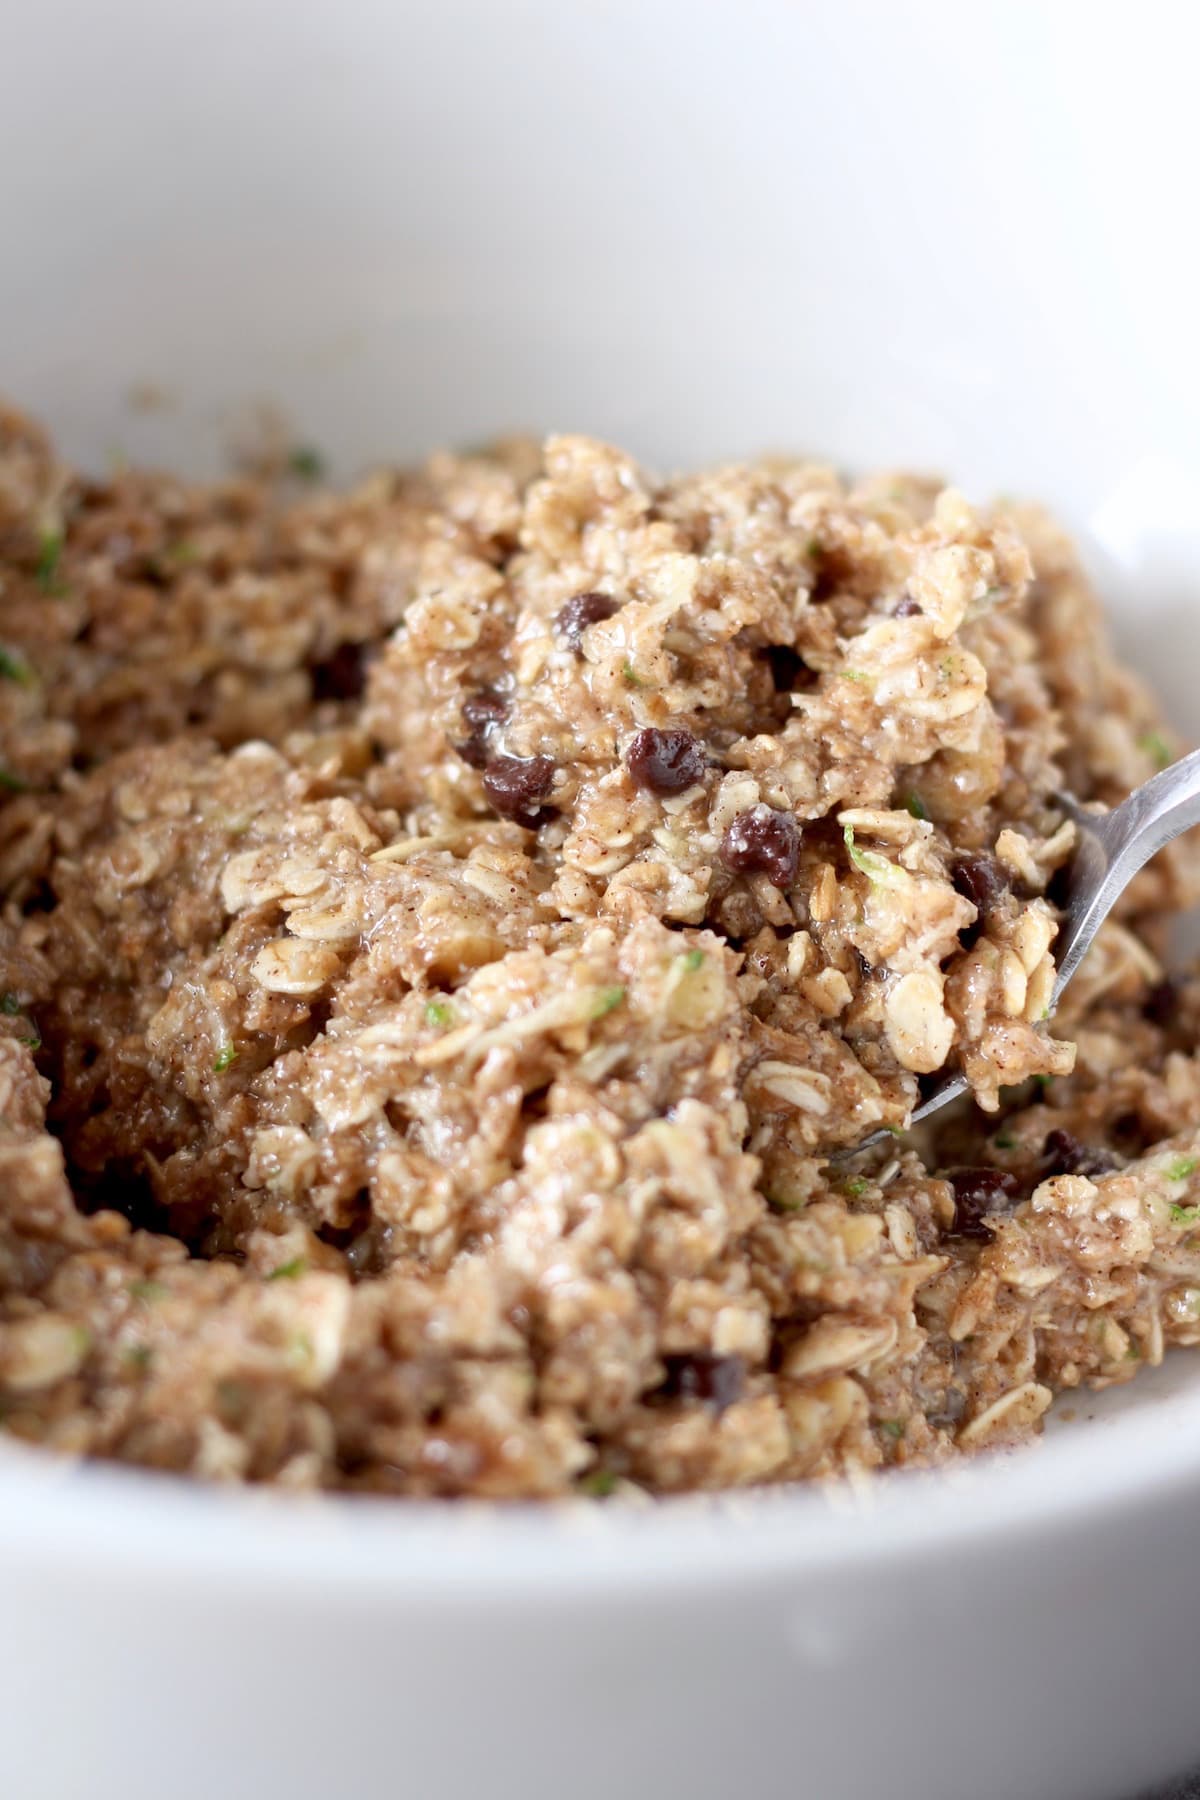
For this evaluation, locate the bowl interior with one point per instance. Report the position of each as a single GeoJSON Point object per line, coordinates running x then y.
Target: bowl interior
{"type": "Point", "coordinates": [696, 230]}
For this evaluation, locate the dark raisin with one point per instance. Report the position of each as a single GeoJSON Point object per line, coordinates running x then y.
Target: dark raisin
{"type": "Point", "coordinates": [368, 1252]}
{"type": "Point", "coordinates": [978, 1193]}
{"type": "Point", "coordinates": [474, 751]}
{"type": "Point", "coordinates": [516, 784]}
{"type": "Point", "coordinates": [788, 668]}
{"type": "Point", "coordinates": [907, 609]}
{"type": "Point", "coordinates": [980, 880]}
{"type": "Point", "coordinates": [665, 762]}
{"type": "Point", "coordinates": [481, 713]}
{"type": "Point", "coordinates": [341, 676]}
{"type": "Point", "coordinates": [763, 842]}
{"type": "Point", "coordinates": [1162, 1003]}
{"type": "Point", "coordinates": [1065, 1155]}
{"type": "Point", "coordinates": [583, 610]}
{"type": "Point", "coordinates": [483, 710]}
{"type": "Point", "coordinates": [701, 1375]}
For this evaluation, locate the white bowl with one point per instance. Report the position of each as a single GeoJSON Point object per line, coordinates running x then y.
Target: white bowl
{"type": "Point", "coordinates": [951, 235]}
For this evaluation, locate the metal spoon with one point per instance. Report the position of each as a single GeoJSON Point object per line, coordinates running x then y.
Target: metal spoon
{"type": "Point", "coordinates": [1112, 847]}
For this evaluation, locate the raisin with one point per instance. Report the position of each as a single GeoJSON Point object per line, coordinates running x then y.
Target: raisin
{"type": "Point", "coordinates": [701, 1375]}
{"type": "Point", "coordinates": [481, 713]}
{"type": "Point", "coordinates": [573, 619]}
{"type": "Point", "coordinates": [665, 762]}
{"type": "Point", "coordinates": [473, 750]}
{"type": "Point", "coordinates": [1065, 1155]}
{"type": "Point", "coordinates": [516, 785]}
{"type": "Point", "coordinates": [908, 608]}
{"type": "Point", "coordinates": [763, 842]}
{"type": "Point", "coordinates": [980, 880]}
{"type": "Point", "coordinates": [341, 676]}
{"type": "Point", "coordinates": [977, 1194]}
{"type": "Point", "coordinates": [483, 710]}
{"type": "Point", "coordinates": [368, 1252]}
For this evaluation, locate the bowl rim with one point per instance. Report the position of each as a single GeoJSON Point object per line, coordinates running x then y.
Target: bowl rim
{"type": "Point", "coordinates": [86, 1519]}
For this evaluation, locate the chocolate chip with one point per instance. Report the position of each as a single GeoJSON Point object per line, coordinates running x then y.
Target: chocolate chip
{"type": "Point", "coordinates": [1162, 1003]}
{"type": "Point", "coordinates": [788, 668]}
{"type": "Point", "coordinates": [481, 713]}
{"type": "Point", "coordinates": [341, 676]}
{"type": "Point", "coordinates": [665, 762]}
{"type": "Point", "coordinates": [583, 610]}
{"type": "Point", "coordinates": [1065, 1155]}
{"type": "Point", "coordinates": [979, 879]}
{"type": "Point", "coordinates": [763, 842]}
{"type": "Point", "coordinates": [516, 784]}
{"type": "Point", "coordinates": [907, 609]}
{"type": "Point", "coordinates": [701, 1375]}
{"type": "Point", "coordinates": [977, 1194]}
